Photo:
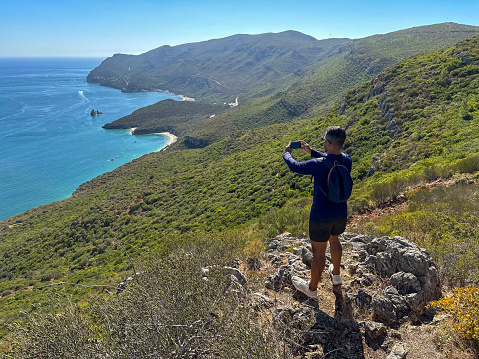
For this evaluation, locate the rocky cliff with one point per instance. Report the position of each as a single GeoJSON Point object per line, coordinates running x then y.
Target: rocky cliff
{"type": "Point", "coordinates": [193, 142]}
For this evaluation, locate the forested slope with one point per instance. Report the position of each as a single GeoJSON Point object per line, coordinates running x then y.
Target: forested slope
{"type": "Point", "coordinates": [312, 85]}
{"type": "Point", "coordinates": [364, 58]}
{"type": "Point", "coordinates": [220, 68]}
{"type": "Point", "coordinates": [178, 117]}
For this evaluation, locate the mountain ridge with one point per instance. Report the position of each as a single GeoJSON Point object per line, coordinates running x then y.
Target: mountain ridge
{"type": "Point", "coordinates": [310, 90]}
{"type": "Point", "coordinates": [194, 69]}
{"type": "Point", "coordinates": [215, 66]}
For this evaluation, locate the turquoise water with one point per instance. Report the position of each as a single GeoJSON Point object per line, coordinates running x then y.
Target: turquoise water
{"type": "Point", "coordinates": [49, 143]}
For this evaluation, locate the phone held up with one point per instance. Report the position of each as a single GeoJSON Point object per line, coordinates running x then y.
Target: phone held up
{"type": "Point", "coordinates": [295, 144]}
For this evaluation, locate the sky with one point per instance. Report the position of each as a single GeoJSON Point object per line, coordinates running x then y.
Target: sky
{"type": "Point", "coordinates": [101, 28]}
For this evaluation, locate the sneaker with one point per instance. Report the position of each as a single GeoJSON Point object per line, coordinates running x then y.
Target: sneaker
{"type": "Point", "coordinates": [303, 286]}
{"type": "Point", "coordinates": [335, 278]}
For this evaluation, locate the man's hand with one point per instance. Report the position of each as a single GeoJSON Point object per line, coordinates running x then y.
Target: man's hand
{"type": "Point", "coordinates": [305, 147]}
{"type": "Point", "coordinates": [288, 148]}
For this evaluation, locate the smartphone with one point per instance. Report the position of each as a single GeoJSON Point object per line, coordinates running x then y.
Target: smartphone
{"type": "Point", "coordinates": [295, 144]}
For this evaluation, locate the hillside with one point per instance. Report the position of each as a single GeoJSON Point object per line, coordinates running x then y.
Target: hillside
{"type": "Point", "coordinates": [220, 68]}
{"type": "Point", "coordinates": [178, 117]}
{"type": "Point", "coordinates": [258, 65]}
{"type": "Point", "coordinates": [416, 120]}
{"type": "Point", "coordinates": [312, 85]}
{"type": "Point", "coordinates": [364, 58]}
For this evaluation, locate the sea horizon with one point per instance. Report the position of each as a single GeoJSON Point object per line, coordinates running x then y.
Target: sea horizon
{"type": "Point", "coordinates": [49, 143]}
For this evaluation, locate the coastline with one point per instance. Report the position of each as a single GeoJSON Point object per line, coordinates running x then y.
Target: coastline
{"type": "Point", "coordinates": [171, 138]}
{"type": "Point", "coordinates": [185, 98]}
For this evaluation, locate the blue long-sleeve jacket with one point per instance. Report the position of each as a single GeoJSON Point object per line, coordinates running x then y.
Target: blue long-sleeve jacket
{"type": "Point", "coordinates": [322, 208]}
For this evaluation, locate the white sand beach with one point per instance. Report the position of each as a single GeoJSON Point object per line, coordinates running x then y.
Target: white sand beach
{"type": "Point", "coordinates": [185, 98]}
{"type": "Point", "coordinates": [171, 138]}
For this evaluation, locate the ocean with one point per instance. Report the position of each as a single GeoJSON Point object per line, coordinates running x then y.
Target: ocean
{"type": "Point", "coordinates": [49, 142]}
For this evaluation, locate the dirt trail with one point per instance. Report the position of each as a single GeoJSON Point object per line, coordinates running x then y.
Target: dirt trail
{"type": "Point", "coordinates": [390, 207]}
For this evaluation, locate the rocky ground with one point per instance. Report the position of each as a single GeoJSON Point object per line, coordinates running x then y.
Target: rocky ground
{"type": "Point", "coordinates": [380, 310]}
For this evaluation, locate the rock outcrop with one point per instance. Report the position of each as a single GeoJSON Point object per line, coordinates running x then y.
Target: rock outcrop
{"type": "Point", "coordinates": [391, 278]}
{"type": "Point", "coordinates": [192, 142]}
{"type": "Point", "coordinates": [387, 282]}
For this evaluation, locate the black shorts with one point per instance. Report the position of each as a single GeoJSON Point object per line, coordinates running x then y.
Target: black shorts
{"type": "Point", "coordinates": [320, 230]}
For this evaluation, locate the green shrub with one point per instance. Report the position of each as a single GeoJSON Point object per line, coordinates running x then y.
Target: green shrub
{"type": "Point", "coordinates": [170, 310]}
{"type": "Point", "coordinates": [384, 191]}
{"type": "Point", "coordinates": [445, 221]}
{"type": "Point", "coordinates": [358, 204]}
{"type": "Point", "coordinates": [6, 292]}
{"type": "Point", "coordinates": [469, 164]}
{"type": "Point", "coordinates": [292, 218]}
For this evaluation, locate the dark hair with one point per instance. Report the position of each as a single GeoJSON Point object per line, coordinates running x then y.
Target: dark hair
{"type": "Point", "coordinates": [336, 135]}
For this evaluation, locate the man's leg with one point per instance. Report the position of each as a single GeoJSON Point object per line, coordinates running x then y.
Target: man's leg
{"type": "Point", "coordinates": [336, 253]}
{"type": "Point", "coordinates": [318, 262]}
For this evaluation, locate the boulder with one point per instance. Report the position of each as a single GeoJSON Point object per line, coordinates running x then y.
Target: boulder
{"type": "Point", "coordinates": [273, 245]}
{"type": "Point", "coordinates": [399, 351]}
{"type": "Point", "coordinates": [282, 277]}
{"type": "Point", "coordinates": [374, 330]}
{"type": "Point", "coordinates": [236, 274]}
{"type": "Point", "coordinates": [406, 283]}
{"type": "Point", "coordinates": [413, 276]}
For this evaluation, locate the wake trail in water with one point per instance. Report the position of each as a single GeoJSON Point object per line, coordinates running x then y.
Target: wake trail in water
{"type": "Point", "coordinates": [13, 114]}
{"type": "Point", "coordinates": [84, 99]}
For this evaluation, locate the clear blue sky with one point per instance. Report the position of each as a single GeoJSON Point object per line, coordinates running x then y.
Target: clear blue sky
{"type": "Point", "coordinates": [100, 28]}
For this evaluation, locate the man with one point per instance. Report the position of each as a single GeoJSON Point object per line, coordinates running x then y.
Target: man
{"type": "Point", "coordinates": [327, 219]}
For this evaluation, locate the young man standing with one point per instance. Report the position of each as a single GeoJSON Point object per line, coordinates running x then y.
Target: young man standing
{"type": "Point", "coordinates": [327, 219]}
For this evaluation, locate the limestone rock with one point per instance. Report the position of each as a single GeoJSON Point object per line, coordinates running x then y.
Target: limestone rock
{"type": "Point", "coordinates": [399, 351]}
{"type": "Point", "coordinates": [282, 278]}
{"type": "Point", "coordinates": [374, 330]}
{"type": "Point", "coordinates": [383, 309]}
{"type": "Point", "coordinates": [235, 273]}
{"type": "Point", "coordinates": [274, 244]}
{"type": "Point", "coordinates": [406, 283]}
{"type": "Point", "coordinates": [410, 270]}
{"type": "Point", "coordinates": [260, 301]}
{"type": "Point", "coordinates": [388, 280]}
{"type": "Point", "coordinates": [298, 318]}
